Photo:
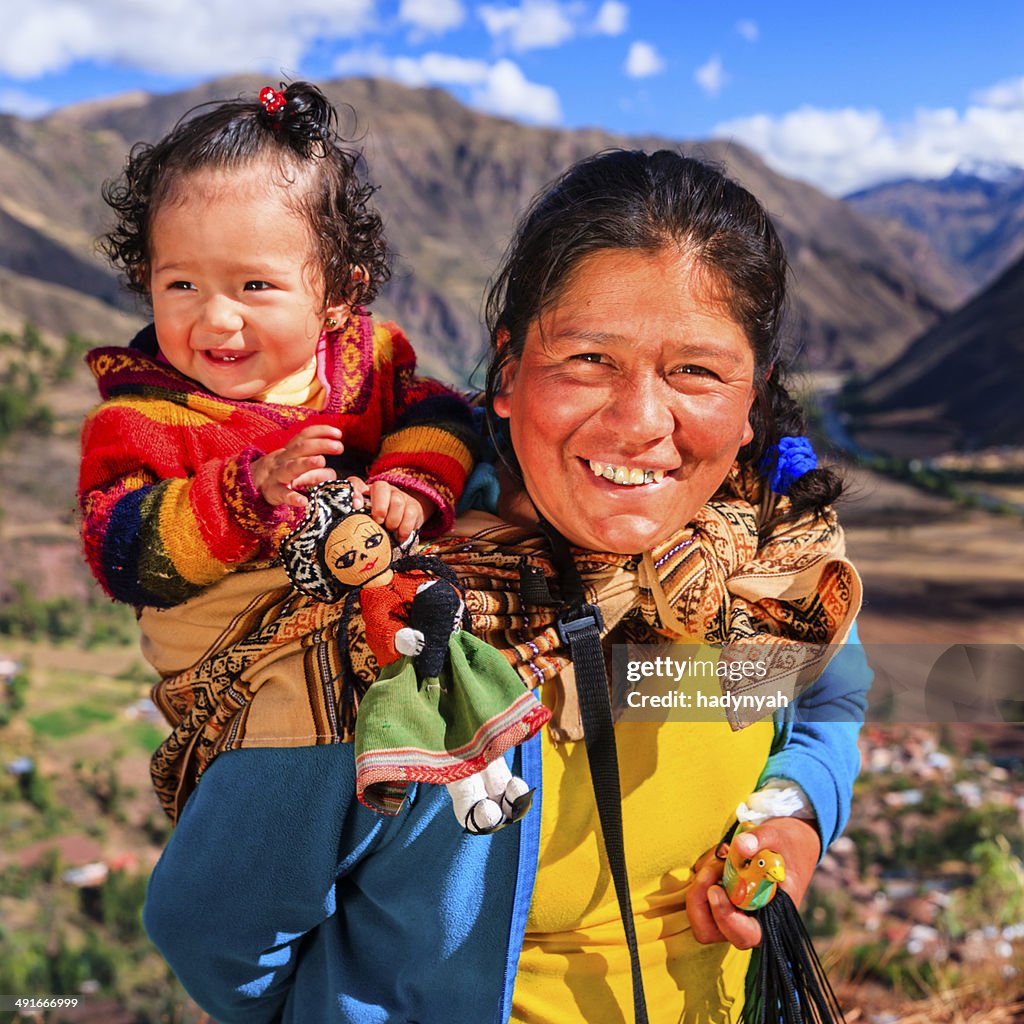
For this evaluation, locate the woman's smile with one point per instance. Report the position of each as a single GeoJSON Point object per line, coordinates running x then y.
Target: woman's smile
{"type": "Point", "coordinates": [626, 476]}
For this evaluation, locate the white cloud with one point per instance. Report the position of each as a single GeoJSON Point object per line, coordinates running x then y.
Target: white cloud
{"type": "Point", "coordinates": [427, 69]}
{"type": "Point", "coordinates": [643, 60]}
{"type": "Point", "coordinates": [23, 104]}
{"type": "Point", "coordinates": [434, 16]}
{"type": "Point", "coordinates": [441, 69]}
{"type": "Point", "coordinates": [47, 37]}
{"type": "Point", "coordinates": [500, 88]}
{"type": "Point", "coordinates": [534, 25]}
{"type": "Point", "coordinates": [1004, 95]}
{"type": "Point", "coordinates": [500, 20]}
{"type": "Point", "coordinates": [845, 150]}
{"type": "Point", "coordinates": [175, 36]}
{"type": "Point", "coordinates": [508, 94]}
{"type": "Point", "coordinates": [749, 30]}
{"type": "Point", "coordinates": [711, 76]}
{"type": "Point", "coordinates": [611, 19]}
{"type": "Point", "coordinates": [367, 62]}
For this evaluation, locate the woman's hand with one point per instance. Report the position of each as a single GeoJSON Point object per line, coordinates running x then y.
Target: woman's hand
{"type": "Point", "coordinates": [713, 918]}
{"type": "Point", "coordinates": [301, 463]}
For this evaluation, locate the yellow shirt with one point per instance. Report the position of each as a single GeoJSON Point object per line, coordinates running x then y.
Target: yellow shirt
{"type": "Point", "coordinates": [681, 782]}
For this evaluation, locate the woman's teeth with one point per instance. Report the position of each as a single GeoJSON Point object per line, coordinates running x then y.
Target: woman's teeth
{"type": "Point", "coordinates": [625, 475]}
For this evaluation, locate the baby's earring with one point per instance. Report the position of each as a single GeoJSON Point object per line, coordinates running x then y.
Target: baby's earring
{"type": "Point", "coordinates": [331, 323]}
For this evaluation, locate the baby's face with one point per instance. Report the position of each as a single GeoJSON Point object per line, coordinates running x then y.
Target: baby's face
{"type": "Point", "coordinates": [236, 305]}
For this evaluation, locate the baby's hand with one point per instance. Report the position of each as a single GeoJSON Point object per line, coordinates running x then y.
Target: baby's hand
{"type": "Point", "coordinates": [396, 510]}
{"type": "Point", "coordinates": [300, 463]}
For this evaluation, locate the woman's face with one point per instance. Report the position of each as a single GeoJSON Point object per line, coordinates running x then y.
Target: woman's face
{"type": "Point", "coordinates": [358, 552]}
{"type": "Point", "coordinates": [630, 400]}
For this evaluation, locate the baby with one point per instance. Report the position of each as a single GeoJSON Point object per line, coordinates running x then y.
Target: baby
{"type": "Point", "coordinates": [251, 235]}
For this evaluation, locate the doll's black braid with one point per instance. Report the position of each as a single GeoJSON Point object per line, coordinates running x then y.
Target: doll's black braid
{"type": "Point", "coordinates": [353, 686]}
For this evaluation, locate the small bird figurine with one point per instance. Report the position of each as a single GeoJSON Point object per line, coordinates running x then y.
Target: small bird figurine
{"type": "Point", "coordinates": [750, 882]}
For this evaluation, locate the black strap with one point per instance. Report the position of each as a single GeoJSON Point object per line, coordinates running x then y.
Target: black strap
{"type": "Point", "coordinates": [579, 626]}
{"type": "Point", "coordinates": [533, 584]}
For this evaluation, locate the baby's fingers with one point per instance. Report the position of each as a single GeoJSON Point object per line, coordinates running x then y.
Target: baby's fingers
{"type": "Point", "coordinates": [312, 477]}
{"type": "Point", "coordinates": [359, 491]}
{"type": "Point", "coordinates": [276, 493]}
{"type": "Point", "coordinates": [319, 439]}
{"type": "Point", "coordinates": [410, 520]}
{"type": "Point", "coordinates": [384, 503]}
{"type": "Point", "coordinates": [322, 431]}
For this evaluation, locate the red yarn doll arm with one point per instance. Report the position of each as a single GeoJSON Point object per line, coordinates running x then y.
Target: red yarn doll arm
{"type": "Point", "coordinates": [385, 611]}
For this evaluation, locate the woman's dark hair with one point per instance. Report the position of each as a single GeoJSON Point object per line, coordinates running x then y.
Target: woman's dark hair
{"type": "Point", "coordinates": [628, 199]}
{"type": "Point", "coordinates": [300, 134]}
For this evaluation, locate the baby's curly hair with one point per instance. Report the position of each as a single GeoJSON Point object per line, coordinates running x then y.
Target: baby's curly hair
{"type": "Point", "coordinates": [302, 136]}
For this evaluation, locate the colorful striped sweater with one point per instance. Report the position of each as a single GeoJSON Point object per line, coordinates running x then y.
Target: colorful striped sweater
{"type": "Point", "coordinates": [166, 492]}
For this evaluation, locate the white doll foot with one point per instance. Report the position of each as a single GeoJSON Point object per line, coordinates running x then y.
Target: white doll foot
{"type": "Point", "coordinates": [483, 818]}
{"type": "Point", "coordinates": [517, 799]}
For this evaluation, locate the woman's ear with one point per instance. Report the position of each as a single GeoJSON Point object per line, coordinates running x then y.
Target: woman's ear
{"type": "Point", "coordinates": [748, 433]}
{"type": "Point", "coordinates": [502, 400]}
{"type": "Point", "coordinates": [748, 430]}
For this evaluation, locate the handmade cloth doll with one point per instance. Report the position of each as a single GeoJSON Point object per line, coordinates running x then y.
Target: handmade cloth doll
{"type": "Point", "coordinates": [446, 706]}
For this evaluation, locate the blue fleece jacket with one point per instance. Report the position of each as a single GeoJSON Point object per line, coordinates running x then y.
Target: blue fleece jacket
{"type": "Point", "coordinates": [281, 898]}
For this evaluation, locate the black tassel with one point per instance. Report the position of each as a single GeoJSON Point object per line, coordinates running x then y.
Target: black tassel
{"type": "Point", "coordinates": [789, 983]}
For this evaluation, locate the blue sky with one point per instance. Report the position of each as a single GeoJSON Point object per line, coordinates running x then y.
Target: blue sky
{"type": "Point", "coordinates": [842, 95]}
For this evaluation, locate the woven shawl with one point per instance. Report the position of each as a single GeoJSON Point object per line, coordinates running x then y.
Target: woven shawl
{"type": "Point", "coordinates": [271, 676]}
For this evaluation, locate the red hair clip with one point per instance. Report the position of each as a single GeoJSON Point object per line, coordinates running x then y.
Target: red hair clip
{"type": "Point", "coordinates": [272, 100]}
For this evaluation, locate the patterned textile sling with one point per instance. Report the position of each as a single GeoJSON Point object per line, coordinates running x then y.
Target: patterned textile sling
{"type": "Point", "coordinates": [270, 679]}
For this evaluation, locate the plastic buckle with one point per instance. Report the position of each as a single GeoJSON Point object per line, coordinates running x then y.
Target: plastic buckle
{"type": "Point", "coordinates": [582, 616]}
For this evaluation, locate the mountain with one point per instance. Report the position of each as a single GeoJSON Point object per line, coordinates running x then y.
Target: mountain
{"type": "Point", "coordinates": [451, 183]}
{"type": "Point", "coordinates": [956, 386]}
{"type": "Point", "coordinates": [50, 273]}
{"type": "Point", "coordinates": [973, 221]}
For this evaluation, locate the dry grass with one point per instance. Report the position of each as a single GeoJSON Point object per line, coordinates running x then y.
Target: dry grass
{"type": "Point", "coordinates": [987, 998]}
{"type": "Point", "coordinates": [968, 1004]}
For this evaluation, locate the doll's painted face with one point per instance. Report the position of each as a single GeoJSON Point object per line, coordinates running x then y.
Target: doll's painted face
{"type": "Point", "coordinates": [358, 552]}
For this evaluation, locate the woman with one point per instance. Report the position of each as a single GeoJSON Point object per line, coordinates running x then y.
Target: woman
{"type": "Point", "coordinates": [635, 324]}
